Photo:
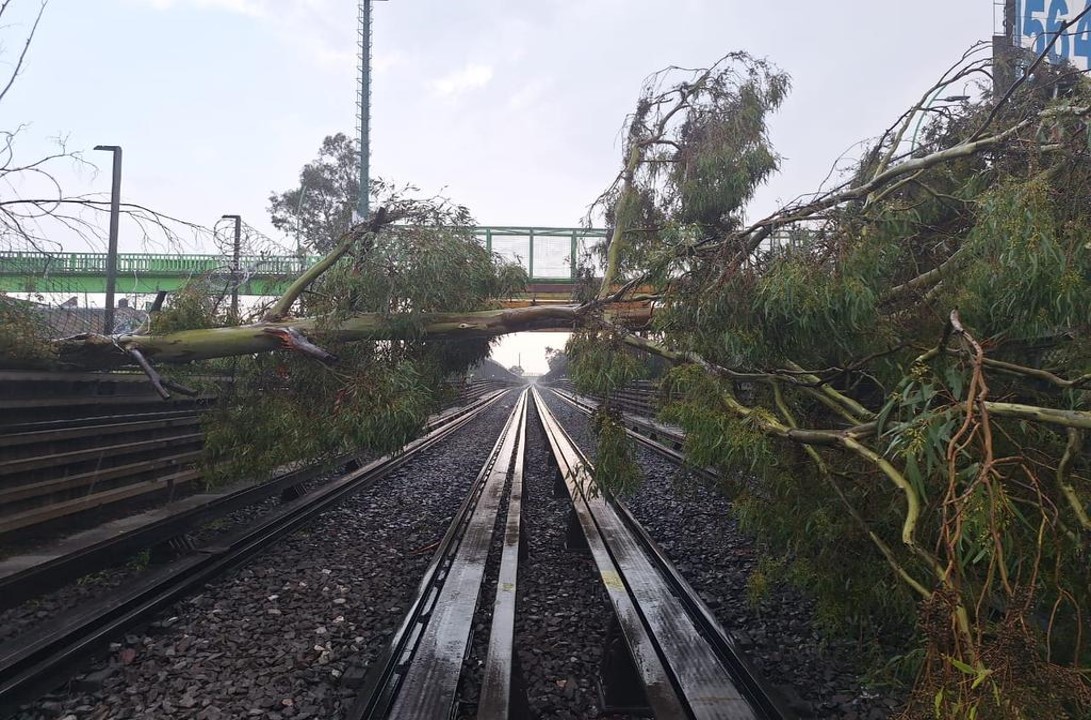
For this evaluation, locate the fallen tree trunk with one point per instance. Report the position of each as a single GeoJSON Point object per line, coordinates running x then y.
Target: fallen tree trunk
{"type": "Point", "coordinates": [101, 352]}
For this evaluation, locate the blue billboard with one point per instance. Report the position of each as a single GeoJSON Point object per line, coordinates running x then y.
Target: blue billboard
{"type": "Point", "coordinates": [1038, 21]}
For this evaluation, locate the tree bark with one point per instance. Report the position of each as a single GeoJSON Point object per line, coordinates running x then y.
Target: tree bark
{"type": "Point", "coordinates": [98, 352]}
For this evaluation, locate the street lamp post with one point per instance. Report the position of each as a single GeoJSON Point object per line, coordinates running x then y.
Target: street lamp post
{"type": "Point", "coordinates": [235, 266]}
{"type": "Point", "coordinates": [924, 108]}
{"type": "Point", "coordinates": [111, 252]}
{"type": "Point", "coordinates": [299, 223]}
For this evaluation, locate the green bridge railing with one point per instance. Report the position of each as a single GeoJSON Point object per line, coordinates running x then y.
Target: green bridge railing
{"type": "Point", "coordinates": [546, 253]}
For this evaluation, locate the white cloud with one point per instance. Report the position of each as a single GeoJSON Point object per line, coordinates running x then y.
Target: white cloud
{"type": "Point", "coordinates": [471, 77]}
{"type": "Point", "coordinates": [529, 95]}
{"type": "Point", "coordinates": [322, 30]}
{"type": "Point", "coordinates": [383, 63]}
{"type": "Point", "coordinates": [253, 8]}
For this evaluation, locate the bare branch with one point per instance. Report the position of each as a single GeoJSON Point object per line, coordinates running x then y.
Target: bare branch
{"type": "Point", "coordinates": [153, 375]}
{"type": "Point", "coordinates": [26, 47]}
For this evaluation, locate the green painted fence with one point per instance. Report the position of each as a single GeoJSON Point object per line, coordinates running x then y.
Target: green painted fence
{"type": "Point", "coordinates": [546, 253]}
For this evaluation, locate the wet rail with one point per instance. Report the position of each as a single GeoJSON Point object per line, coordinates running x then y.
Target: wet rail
{"type": "Point", "coordinates": [418, 676]}
{"type": "Point", "coordinates": [677, 661]}
{"type": "Point", "coordinates": [665, 656]}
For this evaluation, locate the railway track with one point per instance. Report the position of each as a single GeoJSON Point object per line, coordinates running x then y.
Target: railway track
{"type": "Point", "coordinates": [418, 675]}
{"type": "Point", "coordinates": [662, 654]}
{"type": "Point", "coordinates": [24, 577]}
{"type": "Point", "coordinates": [667, 656]}
{"type": "Point", "coordinates": [30, 665]}
{"type": "Point", "coordinates": [83, 448]}
{"type": "Point", "coordinates": [688, 664]}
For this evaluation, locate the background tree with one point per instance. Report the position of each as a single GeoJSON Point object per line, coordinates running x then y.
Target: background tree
{"type": "Point", "coordinates": [351, 384]}
{"type": "Point", "coordinates": [320, 210]}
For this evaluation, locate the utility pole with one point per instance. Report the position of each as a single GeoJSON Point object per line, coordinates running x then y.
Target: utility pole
{"type": "Point", "coordinates": [111, 251]}
{"type": "Point", "coordinates": [1005, 52]}
{"type": "Point", "coordinates": [363, 105]}
{"type": "Point", "coordinates": [235, 266]}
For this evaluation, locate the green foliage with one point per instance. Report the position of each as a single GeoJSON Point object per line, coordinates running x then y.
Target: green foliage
{"type": "Point", "coordinates": [790, 510]}
{"type": "Point", "coordinates": [24, 335]}
{"type": "Point", "coordinates": [193, 307]}
{"type": "Point", "coordinates": [731, 446]}
{"type": "Point", "coordinates": [284, 408]}
{"type": "Point", "coordinates": [723, 151]}
{"type": "Point", "coordinates": [408, 270]}
{"type": "Point", "coordinates": [1043, 257]}
{"type": "Point", "coordinates": [798, 309]}
{"type": "Point", "coordinates": [320, 209]}
{"type": "Point", "coordinates": [600, 363]}
{"type": "Point", "coordinates": [616, 472]}
{"type": "Point", "coordinates": [881, 373]}
{"type": "Point", "coordinates": [696, 151]}
{"type": "Point", "coordinates": [802, 306]}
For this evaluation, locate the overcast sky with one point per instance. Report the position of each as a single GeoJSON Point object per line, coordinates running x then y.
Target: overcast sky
{"type": "Point", "coordinates": [511, 108]}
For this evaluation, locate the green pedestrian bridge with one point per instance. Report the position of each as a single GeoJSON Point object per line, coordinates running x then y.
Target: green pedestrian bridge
{"type": "Point", "coordinates": [546, 254]}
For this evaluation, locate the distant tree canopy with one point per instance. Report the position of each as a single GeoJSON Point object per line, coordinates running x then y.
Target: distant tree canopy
{"type": "Point", "coordinates": [555, 358]}
{"type": "Point", "coordinates": [320, 210]}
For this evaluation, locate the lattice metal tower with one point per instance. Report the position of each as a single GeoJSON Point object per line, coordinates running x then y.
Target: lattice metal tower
{"type": "Point", "coordinates": [363, 108]}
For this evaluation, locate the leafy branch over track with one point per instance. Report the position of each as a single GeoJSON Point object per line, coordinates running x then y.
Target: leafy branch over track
{"type": "Point", "coordinates": [892, 374]}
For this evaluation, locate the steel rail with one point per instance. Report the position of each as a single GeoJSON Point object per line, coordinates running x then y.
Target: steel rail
{"type": "Point", "coordinates": [31, 665]}
{"type": "Point", "coordinates": [727, 647]}
{"type": "Point", "coordinates": [92, 421]}
{"type": "Point", "coordinates": [497, 698]}
{"type": "Point", "coordinates": [418, 673]}
{"type": "Point", "coordinates": [689, 665]}
{"type": "Point", "coordinates": [643, 431]}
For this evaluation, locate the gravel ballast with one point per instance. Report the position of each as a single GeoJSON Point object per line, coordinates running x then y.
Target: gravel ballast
{"type": "Point", "coordinates": [289, 634]}
{"type": "Point", "coordinates": [26, 616]}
